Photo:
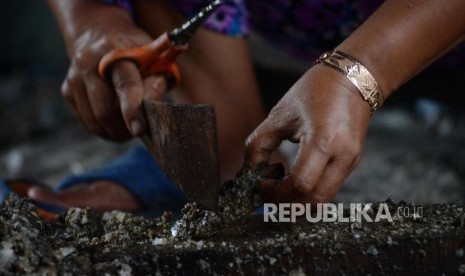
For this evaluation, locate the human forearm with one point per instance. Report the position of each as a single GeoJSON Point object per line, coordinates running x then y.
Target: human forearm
{"type": "Point", "coordinates": [75, 16]}
{"type": "Point", "coordinates": [403, 37]}
{"type": "Point", "coordinates": [323, 110]}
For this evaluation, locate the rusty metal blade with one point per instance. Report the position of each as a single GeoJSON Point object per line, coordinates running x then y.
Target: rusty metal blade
{"type": "Point", "coordinates": [183, 139]}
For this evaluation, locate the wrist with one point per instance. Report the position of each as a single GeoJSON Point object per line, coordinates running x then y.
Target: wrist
{"type": "Point", "coordinates": [384, 80]}
{"type": "Point", "coordinates": [356, 73]}
{"type": "Point", "coordinates": [338, 90]}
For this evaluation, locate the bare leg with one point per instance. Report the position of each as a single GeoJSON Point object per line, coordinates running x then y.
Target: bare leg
{"type": "Point", "coordinates": [217, 70]}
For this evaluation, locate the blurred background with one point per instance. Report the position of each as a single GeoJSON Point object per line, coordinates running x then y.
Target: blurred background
{"type": "Point", "coordinates": [415, 149]}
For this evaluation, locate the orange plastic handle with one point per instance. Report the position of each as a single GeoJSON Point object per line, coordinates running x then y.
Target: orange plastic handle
{"type": "Point", "coordinates": [154, 58]}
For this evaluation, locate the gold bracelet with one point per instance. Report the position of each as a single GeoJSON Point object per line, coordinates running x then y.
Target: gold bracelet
{"type": "Point", "coordinates": [356, 73]}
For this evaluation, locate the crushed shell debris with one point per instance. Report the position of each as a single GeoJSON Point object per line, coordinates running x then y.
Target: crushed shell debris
{"type": "Point", "coordinates": [229, 240]}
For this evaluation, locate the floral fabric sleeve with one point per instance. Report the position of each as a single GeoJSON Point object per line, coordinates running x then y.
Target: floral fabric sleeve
{"type": "Point", "coordinates": [304, 28]}
{"type": "Point", "coordinates": [230, 19]}
{"type": "Point", "coordinates": [125, 4]}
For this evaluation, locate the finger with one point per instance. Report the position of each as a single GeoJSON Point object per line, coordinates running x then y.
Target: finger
{"type": "Point", "coordinates": [261, 143]}
{"type": "Point", "coordinates": [75, 93]}
{"type": "Point", "coordinates": [69, 99]}
{"type": "Point", "coordinates": [130, 90]}
{"type": "Point", "coordinates": [71, 81]}
{"type": "Point", "coordinates": [155, 88]}
{"type": "Point", "coordinates": [86, 113]}
{"type": "Point", "coordinates": [332, 180]}
{"type": "Point", "coordinates": [311, 161]}
{"type": "Point", "coordinates": [106, 109]}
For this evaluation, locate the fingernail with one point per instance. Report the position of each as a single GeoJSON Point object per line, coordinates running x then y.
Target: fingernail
{"type": "Point", "coordinates": [136, 127]}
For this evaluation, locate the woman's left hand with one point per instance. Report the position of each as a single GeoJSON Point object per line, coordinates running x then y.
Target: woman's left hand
{"type": "Point", "coordinates": [324, 112]}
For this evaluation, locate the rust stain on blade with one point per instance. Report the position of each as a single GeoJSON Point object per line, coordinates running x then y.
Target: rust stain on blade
{"type": "Point", "coordinates": [183, 139]}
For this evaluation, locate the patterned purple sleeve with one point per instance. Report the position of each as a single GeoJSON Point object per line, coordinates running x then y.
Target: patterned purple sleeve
{"type": "Point", "coordinates": [231, 18]}
{"type": "Point", "coordinates": [125, 4]}
{"type": "Point", "coordinates": [304, 28]}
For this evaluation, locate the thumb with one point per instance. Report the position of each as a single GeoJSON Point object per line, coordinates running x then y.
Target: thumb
{"type": "Point", "coordinates": [265, 139]}
{"type": "Point", "coordinates": [130, 90]}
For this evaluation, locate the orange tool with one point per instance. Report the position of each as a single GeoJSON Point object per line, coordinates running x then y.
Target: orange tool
{"type": "Point", "coordinates": [158, 57]}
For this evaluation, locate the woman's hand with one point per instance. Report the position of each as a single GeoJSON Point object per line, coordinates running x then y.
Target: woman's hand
{"type": "Point", "coordinates": [109, 108]}
{"type": "Point", "coordinates": [325, 113]}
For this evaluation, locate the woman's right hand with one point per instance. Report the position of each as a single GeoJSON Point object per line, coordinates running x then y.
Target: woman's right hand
{"type": "Point", "coordinates": [110, 108]}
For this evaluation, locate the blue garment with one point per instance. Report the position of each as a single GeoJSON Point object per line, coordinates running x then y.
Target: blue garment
{"type": "Point", "coordinates": [140, 174]}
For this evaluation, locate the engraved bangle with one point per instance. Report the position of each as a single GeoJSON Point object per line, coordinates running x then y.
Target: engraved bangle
{"type": "Point", "coordinates": [356, 73]}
